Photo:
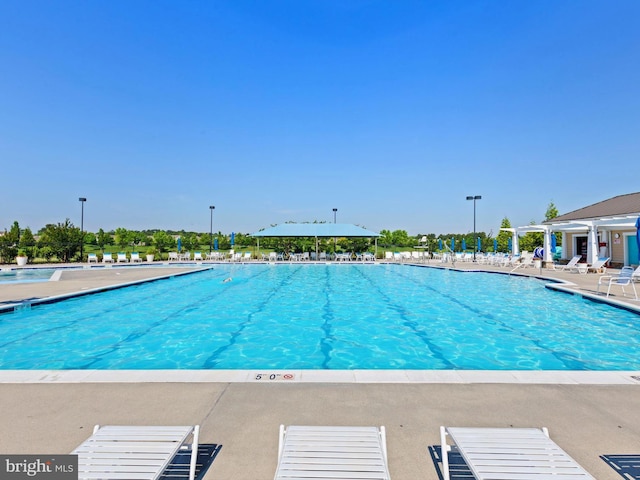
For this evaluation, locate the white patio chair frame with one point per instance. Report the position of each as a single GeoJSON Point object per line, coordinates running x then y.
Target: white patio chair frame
{"type": "Point", "coordinates": [624, 279]}
{"type": "Point", "coordinates": [510, 453]}
{"type": "Point", "coordinates": [128, 452]}
{"type": "Point", "coordinates": [327, 452]}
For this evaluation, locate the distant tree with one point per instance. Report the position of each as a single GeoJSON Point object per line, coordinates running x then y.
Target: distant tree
{"type": "Point", "coordinates": [189, 241]}
{"type": "Point", "coordinates": [9, 243]}
{"type": "Point", "coordinates": [103, 239]}
{"type": "Point", "coordinates": [552, 211]}
{"type": "Point", "coordinates": [61, 240]}
{"type": "Point", "coordinates": [90, 238]}
{"type": "Point", "coordinates": [27, 243]}
{"type": "Point", "coordinates": [14, 233]}
{"type": "Point", "coordinates": [122, 238]}
{"type": "Point", "coordinates": [205, 239]}
{"type": "Point", "coordinates": [8, 250]}
{"type": "Point", "coordinates": [386, 238]}
{"type": "Point", "coordinates": [356, 244]}
{"type": "Point", "coordinates": [401, 238]}
{"type": "Point", "coordinates": [135, 238]}
{"type": "Point", "coordinates": [163, 241]}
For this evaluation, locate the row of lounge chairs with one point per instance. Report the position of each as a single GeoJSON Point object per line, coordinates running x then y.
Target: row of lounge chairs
{"type": "Point", "coordinates": [331, 452]}
{"type": "Point", "coordinates": [121, 257]}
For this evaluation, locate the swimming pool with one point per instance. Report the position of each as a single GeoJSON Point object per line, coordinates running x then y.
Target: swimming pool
{"type": "Point", "coordinates": [24, 275]}
{"type": "Point", "coordinates": [325, 317]}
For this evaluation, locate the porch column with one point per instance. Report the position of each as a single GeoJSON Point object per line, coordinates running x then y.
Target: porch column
{"type": "Point", "coordinates": [592, 245]}
{"type": "Point", "coordinates": [546, 245]}
{"type": "Point", "coordinates": [514, 242]}
{"type": "Point", "coordinates": [565, 247]}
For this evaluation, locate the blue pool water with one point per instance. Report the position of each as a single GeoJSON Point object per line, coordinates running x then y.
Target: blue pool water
{"type": "Point", "coordinates": [325, 317]}
{"type": "Point", "coordinates": [23, 275]}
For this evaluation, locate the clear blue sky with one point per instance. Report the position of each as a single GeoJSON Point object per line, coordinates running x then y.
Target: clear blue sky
{"type": "Point", "coordinates": [274, 111]}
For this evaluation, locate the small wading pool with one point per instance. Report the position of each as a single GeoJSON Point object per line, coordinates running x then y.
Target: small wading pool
{"type": "Point", "coordinates": [325, 316]}
{"type": "Point", "coordinates": [24, 275]}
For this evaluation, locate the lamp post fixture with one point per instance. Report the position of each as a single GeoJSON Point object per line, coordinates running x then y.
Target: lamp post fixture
{"type": "Point", "coordinates": [335, 240]}
{"type": "Point", "coordinates": [81, 200]}
{"type": "Point", "coordinates": [211, 208]}
{"type": "Point", "coordinates": [475, 240]}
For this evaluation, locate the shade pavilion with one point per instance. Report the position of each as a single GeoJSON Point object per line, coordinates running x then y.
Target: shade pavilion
{"type": "Point", "coordinates": [317, 230]}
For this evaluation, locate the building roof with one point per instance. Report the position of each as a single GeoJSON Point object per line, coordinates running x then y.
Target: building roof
{"type": "Point", "coordinates": [622, 205]}
{"type": "Point", "coordinates": [315, 230]}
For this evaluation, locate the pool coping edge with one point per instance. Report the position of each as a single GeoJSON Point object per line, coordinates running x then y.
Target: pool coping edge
{"type": "Point", "coordinates": [556, 377]}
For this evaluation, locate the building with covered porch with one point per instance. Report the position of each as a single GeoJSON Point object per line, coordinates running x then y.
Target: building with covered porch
{"type": "Point", "coordinates": [606, 229]}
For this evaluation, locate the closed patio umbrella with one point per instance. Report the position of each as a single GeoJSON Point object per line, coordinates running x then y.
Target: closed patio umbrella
{"type": "Point", "coordinates": [233, 239]}
{"type": "Point", "coordinates": [638, 235]}
{"type": "Point", "coordinates": [453, 244]}
{"type": "Point", "coordinates": [464, 245]}
{"type": "Point", "coordinates": [479, 244]}
{"type": "Point", "coordinates": [179, 244]}
{"type": "Point", "coordinates": [215, 244]}
{"type": "Point", "coordinates": [554, 243]}
{"type": "Point", "coordinates": [509, 245]}
{"type": "Point", "coordinates": [495, 244]}
{"type": "Point", "coordinates": [440, 244]}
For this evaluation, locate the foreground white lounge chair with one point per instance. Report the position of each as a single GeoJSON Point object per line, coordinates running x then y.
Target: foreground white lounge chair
{"type": "Point", "coordinates": [92, 257]}
{"type": "Point", "coordinates": [107, 258]}
{"type": "Point", "coordinates": [134, 452]}
{"type": "Point", "coordinates": [332, 453]}
{"type": "Point", "coordinates": [135, 257]}
{"type": "Point", "coordinates": [624, 279]}
{"type": "Point", "coordinates": [122, 257]}
{"type": "Point", "coordinates": [510, 453]}
{"type": "Point", "coordinates": [599, 265]}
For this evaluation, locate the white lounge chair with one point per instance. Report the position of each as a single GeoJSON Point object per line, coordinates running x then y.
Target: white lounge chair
{"type": "Point", "coordinates": [273, 256]}
{"type": "Point", "coordinates": [624, 279]}
{"type": "Point", "coordinates": [129, 452]}
{"type": "Point", "coordinates": [510, 453]}
{"type": "Point", "coordinates": [107, 258]}
{"type": "Point", "coordinates": [332, 453]}
{"type": "Point", "coordinates": [135, 257]}
{"type": "Point", "coordinates": [122, 257]}
{"type": "Point", "coordinates": [599, 265]}
{"type": "Point", "coordinates": [197, 256]}
{"type": "Point", "coordinates": [572, 264]}
{"type": "Point", "coordinates": [173, 256]}
{"type": "Point", "coordinates": [92, 257]}
{"type": "Point", "coordinates": [246, 257]}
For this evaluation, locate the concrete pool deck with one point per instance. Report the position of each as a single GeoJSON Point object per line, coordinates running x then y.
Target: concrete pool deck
{"type": "Point", "coordinates": [590, 415]}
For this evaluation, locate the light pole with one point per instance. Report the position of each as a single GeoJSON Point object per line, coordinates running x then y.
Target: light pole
{"type": "Point", "coordinates": [211, 208]}
{"type": "Point", "coordinates": [81, 200]}
{"type": "Point", "coordinates": [475, 240]}
{"type": "Point", "coordinates": [335, 239]}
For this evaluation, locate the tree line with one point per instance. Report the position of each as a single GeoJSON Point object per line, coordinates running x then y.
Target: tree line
{"type": "Point", "coordinates": [62, 241]}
